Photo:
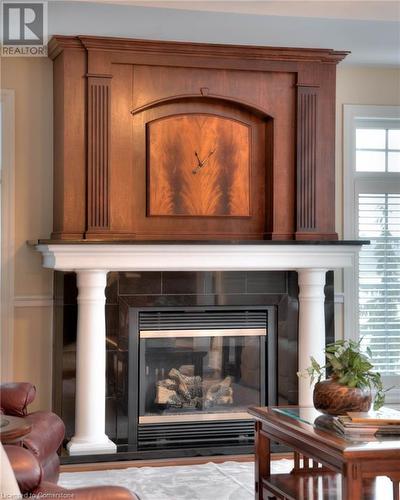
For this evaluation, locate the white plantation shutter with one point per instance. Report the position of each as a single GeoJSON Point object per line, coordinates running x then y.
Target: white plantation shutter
{"type": "Point", "coordinates": [379, 278]}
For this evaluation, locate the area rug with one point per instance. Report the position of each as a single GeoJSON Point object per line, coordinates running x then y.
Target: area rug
{"type": "Point", "coordinates": [226, 481]}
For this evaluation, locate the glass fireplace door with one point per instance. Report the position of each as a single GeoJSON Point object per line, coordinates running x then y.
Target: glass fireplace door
{"type": "Point", "coordinates": [200, 374]}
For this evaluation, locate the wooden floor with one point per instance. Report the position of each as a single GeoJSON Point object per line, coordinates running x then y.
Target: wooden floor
{"type": "Point", "coordinates": [124, 464]}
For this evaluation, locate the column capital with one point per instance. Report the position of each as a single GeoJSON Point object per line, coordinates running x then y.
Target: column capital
{"type": "Point", "coordinates": [312, 276]}
{"type": "Point", "coordinates": [91, 276]}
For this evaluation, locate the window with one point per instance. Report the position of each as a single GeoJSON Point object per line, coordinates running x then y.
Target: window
{"type": "Point", "coordinates": [372, 212]}
{"type": "Point", "coordinates": [377, 149]}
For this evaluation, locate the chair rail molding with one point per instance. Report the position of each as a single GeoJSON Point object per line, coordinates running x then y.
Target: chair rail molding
{"type": "Point", "coordinates": [33, 301]}
{"type": "Point", "coordinates": [7, 232]}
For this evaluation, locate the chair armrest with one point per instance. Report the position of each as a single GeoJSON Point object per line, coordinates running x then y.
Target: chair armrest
{"type": "Point", "coordinates": [51, 491]}
{"type": "Point", "coordinates": [46, 435]}
{"type": "Point", "coordinates": [26, 468]}
{"type": "Point", "coordinates": [15, 398]}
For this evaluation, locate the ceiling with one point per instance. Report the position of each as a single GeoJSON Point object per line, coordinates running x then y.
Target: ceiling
{"type": "Point", "coordinates": [370, 30]}
{"type": "Point", "coordinates": [355, 9]}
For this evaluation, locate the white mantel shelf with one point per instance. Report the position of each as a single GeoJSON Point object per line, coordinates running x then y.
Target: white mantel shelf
{"type": "Point", "coordinates": [188, 256]}
{"type": "Point", "coordinates": [93, 260]}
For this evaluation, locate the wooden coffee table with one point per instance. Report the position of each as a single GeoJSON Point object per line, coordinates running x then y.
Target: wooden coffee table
{"type": "Point", "coordinates": [12, 429]}
{"type": "Point", "coordinates": [326, 465]}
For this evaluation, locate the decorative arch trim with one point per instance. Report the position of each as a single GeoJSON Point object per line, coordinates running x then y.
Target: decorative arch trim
{"type": "Point", "coordinates": [204, 94]}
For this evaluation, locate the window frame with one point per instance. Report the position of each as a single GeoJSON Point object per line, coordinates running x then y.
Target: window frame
{"type": "Point", "coordinates": [354, 183]}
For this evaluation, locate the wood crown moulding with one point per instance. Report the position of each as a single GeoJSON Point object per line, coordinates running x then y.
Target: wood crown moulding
{"type": "Point", "coordinates": [60, 42]}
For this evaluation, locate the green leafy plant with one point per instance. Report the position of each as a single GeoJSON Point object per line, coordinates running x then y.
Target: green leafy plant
{"type": "Point", "coordinates": [348, 365]}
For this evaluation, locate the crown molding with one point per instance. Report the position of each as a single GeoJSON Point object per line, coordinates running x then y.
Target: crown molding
{"type": "Point", "coordinates": [58, 43]}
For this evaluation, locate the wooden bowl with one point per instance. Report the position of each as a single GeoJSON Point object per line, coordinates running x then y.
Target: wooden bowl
{"type": "Point", "coordinates": [332, 398]}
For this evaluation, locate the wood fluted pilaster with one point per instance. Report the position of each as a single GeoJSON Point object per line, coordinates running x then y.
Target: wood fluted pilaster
{"type": "Point", "coordinates": [307, 123]}
{"type": "Point", "coordinates": [99, 103]}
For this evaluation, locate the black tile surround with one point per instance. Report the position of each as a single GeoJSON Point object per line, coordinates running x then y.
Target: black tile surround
{"type": "Point", "coordinates": [170, 289]}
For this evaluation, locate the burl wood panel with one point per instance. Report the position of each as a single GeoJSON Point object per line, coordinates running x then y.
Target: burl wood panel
{"type": "Point", "coordinates": [198, 165]}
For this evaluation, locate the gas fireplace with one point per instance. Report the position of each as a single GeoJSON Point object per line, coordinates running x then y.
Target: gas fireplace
{"type": "Point", "coordinates": [199, 370]}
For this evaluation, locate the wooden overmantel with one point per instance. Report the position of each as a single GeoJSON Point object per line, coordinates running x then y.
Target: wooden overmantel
{"type": "Point", "coordinates": [163, 140]}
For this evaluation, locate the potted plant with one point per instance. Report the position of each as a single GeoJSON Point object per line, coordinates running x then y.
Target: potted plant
{"type": "Point", "coordinates": [351, 379]}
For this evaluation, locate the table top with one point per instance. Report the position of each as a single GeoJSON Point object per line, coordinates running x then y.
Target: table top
{"type": "Point", "coordinates": [313, 426]}
{"type": "Point", "coordinates": [13, 428]}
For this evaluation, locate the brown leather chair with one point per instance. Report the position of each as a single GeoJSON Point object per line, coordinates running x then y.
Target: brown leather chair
{"type": "Point", "coordinates": [28, 474]}
{"type": "Point", "coordinates": [47, 431]}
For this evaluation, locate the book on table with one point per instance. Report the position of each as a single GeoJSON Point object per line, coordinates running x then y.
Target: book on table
{"type": "Point", "coordinates": [383, 416]}
{"type": "Point", "coordinates": [382, 422]}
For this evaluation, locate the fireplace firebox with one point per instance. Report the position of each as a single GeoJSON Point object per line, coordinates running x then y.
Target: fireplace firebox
{"type": "Point", "coordinates": [199, 369]}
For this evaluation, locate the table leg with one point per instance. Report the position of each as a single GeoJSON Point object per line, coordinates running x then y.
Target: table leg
{"type": "Point", "coordinates": [396, 484]}
{"type": "Point", "coordinates": [352, 482]}
{"type": "Point", "coordinates": [262, 459]}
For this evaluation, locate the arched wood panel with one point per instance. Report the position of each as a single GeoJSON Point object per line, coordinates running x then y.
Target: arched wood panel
{"type": "Point", "coordinates": [198, 167]}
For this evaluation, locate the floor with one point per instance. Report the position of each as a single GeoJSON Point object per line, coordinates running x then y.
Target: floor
{"type": "Point", "coordinates": [222, 481]}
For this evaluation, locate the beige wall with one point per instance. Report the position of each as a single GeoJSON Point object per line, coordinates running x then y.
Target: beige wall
{"type": "Point", "coordinates": [32, 81]}
{"type": "Point", "coordinates": [31, 78]}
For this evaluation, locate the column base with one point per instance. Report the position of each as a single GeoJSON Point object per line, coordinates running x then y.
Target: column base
{"type": "Point", "coordinates": [91, 448]}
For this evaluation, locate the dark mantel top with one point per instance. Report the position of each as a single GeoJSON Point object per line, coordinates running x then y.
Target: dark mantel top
{"type": "Point", "coordinates": [199, 242]}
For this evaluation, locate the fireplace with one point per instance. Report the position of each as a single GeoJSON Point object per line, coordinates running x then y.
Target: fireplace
{"type": "Point", "coordinates": [210, 168]}
{"type": "Point", "coordinates": [105, 337]}
{"type": "Point", "coordinates": [199, 369]}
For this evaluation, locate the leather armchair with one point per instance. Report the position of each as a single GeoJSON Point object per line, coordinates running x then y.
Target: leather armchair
{"type": "Point", "coordinates": [29, 477]}
{"type": "Point", "coordinates": [47, 428]}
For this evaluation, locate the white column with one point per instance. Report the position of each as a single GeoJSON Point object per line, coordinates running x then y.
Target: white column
{"type": "Point", "coordinates": [90, 414]}
{"type": "Point", "coordinates": [311, 326]}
